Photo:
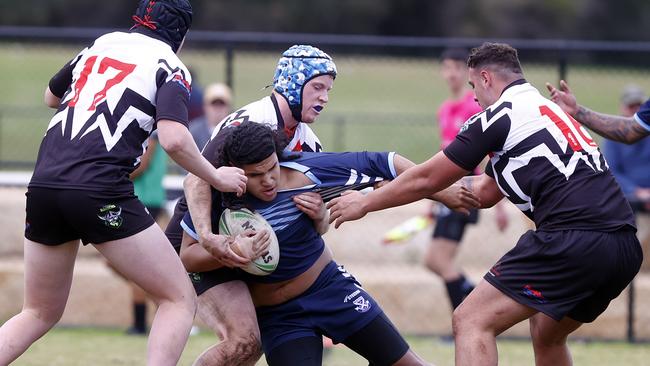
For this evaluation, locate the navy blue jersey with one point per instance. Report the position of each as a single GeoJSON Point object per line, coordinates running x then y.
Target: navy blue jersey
{"type": "Point", "coordinates": [112, 94]}
{"type": "Point", "coordinates": [300, 243]}
{"type": "Point", "coordinates": [544, 162]}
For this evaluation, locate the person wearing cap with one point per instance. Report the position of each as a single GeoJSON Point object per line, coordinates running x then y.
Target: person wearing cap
{"type": "Point", "coordinates": [626, 129]}
{"type": "Point", "coordinates": [109, 99]}
{"type": "Point", "coordinates": [630, 165]}
{"type": "Point", "coordinates": [301, 84]}
{"type": "Point", "coordinates": [217, 101]}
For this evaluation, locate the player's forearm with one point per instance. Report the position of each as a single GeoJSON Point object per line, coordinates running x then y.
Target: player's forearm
{"type": "Point", "coordinates": [199, 203]}
{"type": "Point", "coordinates": [323, 224]}
{"type": "Point", "coordinates": [420, 181]}
{"type": "Point", "coordinates": [401, 163]}
{"type": "Point", "coordinates": [484, 188]}
{"type": "Point", "coordinates": [50, 99]}
{"type": "Point", "coordinates": [617, 128]}
{"type": "Point", "coordinates": [196, 259]}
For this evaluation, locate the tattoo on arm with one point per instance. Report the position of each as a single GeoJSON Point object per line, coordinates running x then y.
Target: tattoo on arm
{"type": "Point", "coordinates": [618, 128]}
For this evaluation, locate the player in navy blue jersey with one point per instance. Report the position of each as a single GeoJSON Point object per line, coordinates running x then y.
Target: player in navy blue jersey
{"type": "Point", "coordinates": [302, 81]}
{"type": "Point", "coordinates": [109, 100]}
{"type": "Point", "coordinates": [584, 251]}
{"type": "Point", "coordinates": [618, 128]}
{"type": "Point", "coordinates": [308, 295]}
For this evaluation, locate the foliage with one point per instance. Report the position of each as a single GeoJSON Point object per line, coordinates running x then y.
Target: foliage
{"type": "Point", "coordinates": [616, 20]}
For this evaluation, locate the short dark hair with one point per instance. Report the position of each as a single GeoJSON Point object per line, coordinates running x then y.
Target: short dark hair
{"type": "Point", "coordinates": [455, 53]}
{"type": "Point", "coordinates": [498, 54]}
{"type": "Point", "coordinates": [248, 143]}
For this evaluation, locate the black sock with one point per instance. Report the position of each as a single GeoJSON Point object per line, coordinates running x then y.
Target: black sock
{"type": "Point", "coordinates": [140, 316]}
{"type": "Point", "coordinates": [457, 290]}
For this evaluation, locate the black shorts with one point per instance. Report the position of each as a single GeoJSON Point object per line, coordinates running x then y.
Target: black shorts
{"type": "Point", "coordinates": [56, 216]}
{"type": "Point", "coordinates": [451, 224]}
{"type": "Point", "coordinates": [569, 273]}
{"type": "Point", "coordinates": [174, 231]}
{"type": "Point", "coordinates": [203, 281]}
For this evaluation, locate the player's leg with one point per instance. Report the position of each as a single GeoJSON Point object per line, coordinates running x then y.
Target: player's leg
{"type": "Point", "coordinates": [48, 277]}
{"type": "Point", "coordinates": [148, 259]}
{"type": "Point", "coordinates": [484, 314]}
{"type": "Point", "coordinates": [549, 339]}
{"type": "Point", "coordinates": [440, 257]}
{"type": "Point", "coordinates": [380, 343]}
{"type": "Point", "coordinates": [227, 309]}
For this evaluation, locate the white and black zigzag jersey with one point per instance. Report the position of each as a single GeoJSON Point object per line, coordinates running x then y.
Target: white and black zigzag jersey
{"type": "Point", "coordinates": [544, 162]}
{"type": "Point", "coordinates": [116, 91]}
{"type": "Point", "coordinates": [266, 111]}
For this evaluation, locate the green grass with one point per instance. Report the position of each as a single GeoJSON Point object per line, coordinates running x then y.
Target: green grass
{"type": "Point", "coordinates": [378, 103]}
{"type": "Point", "coordinates": [99, 347]}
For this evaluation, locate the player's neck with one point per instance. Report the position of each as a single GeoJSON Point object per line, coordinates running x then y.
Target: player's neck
{"type": "Point", "coordinates": [291, 178]}
{"type": "Point", "coordinates": [285, 111]}
{"type": "Point", "coordinates": [458, 94]}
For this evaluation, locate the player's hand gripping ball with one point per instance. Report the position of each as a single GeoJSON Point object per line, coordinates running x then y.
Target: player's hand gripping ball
{"type": "Point", "coordinates": [236, 222]}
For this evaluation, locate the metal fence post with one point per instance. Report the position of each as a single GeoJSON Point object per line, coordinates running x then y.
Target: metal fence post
{"type": "Point", "coordinates": [631, 338]}
{"type": "Point", "coordinates": [229, 66]}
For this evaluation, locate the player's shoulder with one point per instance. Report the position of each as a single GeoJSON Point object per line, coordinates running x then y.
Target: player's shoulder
{"type": "Point", "coordinates": [259, 111]}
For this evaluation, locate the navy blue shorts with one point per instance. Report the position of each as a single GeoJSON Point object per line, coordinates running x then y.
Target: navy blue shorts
{"type": "Point", "coordinates": [451, 224]}
{"type": "Point", "coordinates": [56, 216]}
{"type": "Point", "coordinates": [335, 306]}
{"type": "Point", "coordinates": [569, 273]}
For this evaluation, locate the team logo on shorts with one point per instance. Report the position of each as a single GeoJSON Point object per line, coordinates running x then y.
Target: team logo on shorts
{"type": "Point", "coordinates": [361, 305]}
{"type": "Point", "coordinates": [111, 215]}
{"type": "Point", "coordinates": [195, 276]}
{"type": "Point", "coordinates": [534, 294]}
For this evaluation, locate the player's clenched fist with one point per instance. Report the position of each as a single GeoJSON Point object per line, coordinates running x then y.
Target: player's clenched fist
{"type": "Point", "coordinates": [348, 207]}
{"type": "Point", "coordinates": [231, 179]}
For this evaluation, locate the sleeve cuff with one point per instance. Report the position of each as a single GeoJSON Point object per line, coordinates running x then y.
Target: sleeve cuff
{"type": "Point", "coordinates": [641, 122]}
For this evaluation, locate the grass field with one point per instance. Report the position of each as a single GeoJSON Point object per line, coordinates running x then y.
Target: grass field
{"type": "Point", "coordinates": [72, 347]}
{"type": "Point", "coordinates": [378, 102]}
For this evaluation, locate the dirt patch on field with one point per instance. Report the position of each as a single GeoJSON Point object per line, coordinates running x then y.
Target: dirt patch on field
{"type": "Point", "coordinates": [394, 274]}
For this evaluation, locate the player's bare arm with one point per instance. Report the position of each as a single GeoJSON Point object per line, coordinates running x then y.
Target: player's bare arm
{"type": "Point", "coordinates": [458, 198]}
{"type": "Point", "coordinates": [617, 128]}
{"type": "Point", "coordinates": [178, 143]}
{"type": "Point", "coordinates": [50, 99]}
{"type": "Point", "coordinates": [418, 182]}
{"type": "Point", "coordinates": [199, 203]}
{"type": "Point", "coordinates": [195, 258]}
{"type": "Point", "coordinates": [484, 188]}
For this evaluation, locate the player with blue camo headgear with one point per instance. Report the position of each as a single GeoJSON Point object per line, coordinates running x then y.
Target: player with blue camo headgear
{"type": "Point", "coordinates": [297, 66]}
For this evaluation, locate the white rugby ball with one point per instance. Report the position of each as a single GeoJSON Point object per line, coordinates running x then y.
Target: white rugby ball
{"type": "Point", "coordinates": [235, 222]}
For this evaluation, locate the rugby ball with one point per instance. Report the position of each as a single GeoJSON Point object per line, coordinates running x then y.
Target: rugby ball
{"type": "Point", "coordinates": [235, 222]}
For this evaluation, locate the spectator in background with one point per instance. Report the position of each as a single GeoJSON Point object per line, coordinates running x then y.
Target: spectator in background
{"type": "Point", "coordinates": [631, 166]}
{"type": "Point", "coordinates": [217, 104]}
{"type": "Point", "coordinates": [450, 225]}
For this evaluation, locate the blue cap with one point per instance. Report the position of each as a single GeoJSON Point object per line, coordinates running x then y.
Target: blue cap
{"type": "Point", "coordinates": [296, 67]}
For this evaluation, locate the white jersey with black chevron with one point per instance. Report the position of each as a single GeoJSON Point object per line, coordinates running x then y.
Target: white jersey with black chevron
{"type": "Point", "coordinates": [543, 161]}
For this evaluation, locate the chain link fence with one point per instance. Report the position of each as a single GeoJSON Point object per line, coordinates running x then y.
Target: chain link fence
{"type": "Point", "coordinates": [385, 98]}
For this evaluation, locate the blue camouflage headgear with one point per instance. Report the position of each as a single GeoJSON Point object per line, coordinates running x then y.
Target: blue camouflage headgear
{"type": "Point", "coordinates": [168, 20]}
{"type": "Point", "coordinates": [296, 67]}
